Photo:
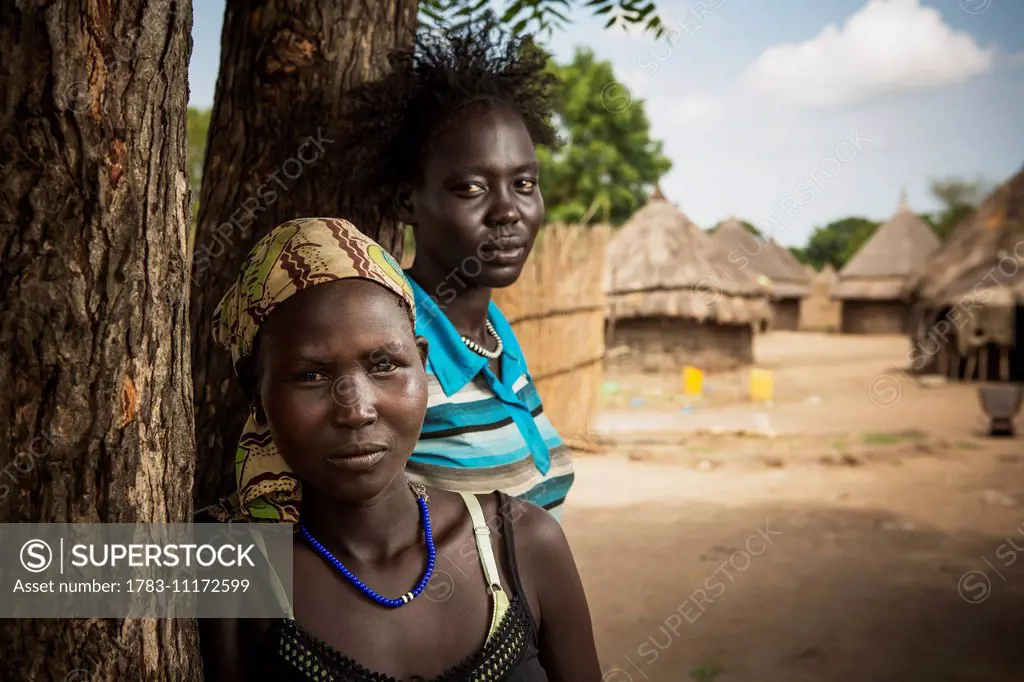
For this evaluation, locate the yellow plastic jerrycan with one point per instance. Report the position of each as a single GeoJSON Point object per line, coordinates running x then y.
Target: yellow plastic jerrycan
{"type": "Point", "coordinates": [693, 381]}
{"type": "Point", "coordinates": [761, 388]}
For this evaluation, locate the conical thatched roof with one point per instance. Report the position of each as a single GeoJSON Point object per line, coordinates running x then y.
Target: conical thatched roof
{"type": "Point", "coordinates": [880, 268]}
{"type": "Point", "coordinates": [803, 272]}
{"type": "Point", "coordinates": [661, 264]}
{"type": "Point", "coordinates": [983, 258]}
{"type": "Point", "coordinates": [764, 257]}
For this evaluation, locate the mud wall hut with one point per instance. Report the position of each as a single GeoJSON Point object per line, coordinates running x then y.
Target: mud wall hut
{"type": "Point", "coordinates": [968, 299]}
{"type": "Point", "coordinates": [819, 312]}
{"type": "Point", "coordinates": [871, 283]}
{"type": "Point", "coordinates": [675, 299]}
{"type": "Point", "coordinates": [789, 282]}
{"type": "Point", "coordinates": [803, 278]}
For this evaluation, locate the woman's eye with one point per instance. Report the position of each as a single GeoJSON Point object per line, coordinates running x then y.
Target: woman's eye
{"type": "Point", "coordinates": [382, 367]}
{"type": "Point", "coordinates": [312, 377]}
{"type": "Point", "coordinates": [471, 188]}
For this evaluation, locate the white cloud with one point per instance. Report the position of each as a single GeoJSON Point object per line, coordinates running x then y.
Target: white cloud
{"type": "Point", "coordinates": [695, 108]}
{"type": "Point", "coordinates": [887, 46]}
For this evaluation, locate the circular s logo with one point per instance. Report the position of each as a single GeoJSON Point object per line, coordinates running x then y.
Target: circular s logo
{"type": "Point", "coordinates": [884, 390]}
{"type": "Point", "coordinates": [441, 586]}
{"type": "Point", "coordinates": [974, 587]}
{"type": "Point", "coordinates": [616, 97]}
{"type": "Point", "coordinates": [706, 292]}
{"type": "Point", "coordinates": [975, 6]}
{"type": "Point", "coordinates": [616, 675]}
{"type": "Point", "coordinates": [36, 556]}
{"type": "Point", "coordinates": [345, 391]}
{"type": "Point", "coordinates": [75, 97]}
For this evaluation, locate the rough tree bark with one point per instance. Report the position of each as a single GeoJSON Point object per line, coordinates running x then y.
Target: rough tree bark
{"type": "Point", "coordinates": [285, 68]}
{"type": "Point", "coordinates": [96, 418]}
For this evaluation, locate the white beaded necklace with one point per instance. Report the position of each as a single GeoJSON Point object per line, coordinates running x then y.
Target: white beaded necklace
{"type": "Point", "coordinates": [480, 350]}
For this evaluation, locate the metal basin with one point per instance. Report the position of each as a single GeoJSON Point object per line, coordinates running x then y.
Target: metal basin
{"type": "Point", "coordinates": [1001, 402]}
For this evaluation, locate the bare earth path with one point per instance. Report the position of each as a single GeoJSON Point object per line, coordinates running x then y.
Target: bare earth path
{"type": "Point", "coordinates": [870, 540]}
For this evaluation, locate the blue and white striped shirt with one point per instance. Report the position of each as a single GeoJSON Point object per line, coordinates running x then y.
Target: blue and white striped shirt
{"type": "Point", "coordinates": [480, 433]}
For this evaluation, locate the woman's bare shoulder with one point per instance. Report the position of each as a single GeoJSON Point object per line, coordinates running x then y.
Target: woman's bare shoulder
{"type": "Point", "coordinates": [536, 530]}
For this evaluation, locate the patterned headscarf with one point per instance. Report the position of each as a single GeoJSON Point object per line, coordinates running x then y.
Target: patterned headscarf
{"type": "Point", "coordinates": [295, 256]}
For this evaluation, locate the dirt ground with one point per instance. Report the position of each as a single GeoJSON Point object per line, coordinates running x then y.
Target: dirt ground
{"type": "Point", "coordinates": [861, 527]}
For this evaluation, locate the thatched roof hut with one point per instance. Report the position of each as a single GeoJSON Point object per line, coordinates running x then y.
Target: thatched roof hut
{"type": "Point", "coordinates": [976, 282]}
{"type": "Point", "coordinates": [661, 263]}
{"type": "Point", "coordinates": [765, 257]}
{"type": "Point", "coordinates": [992, 234]}
{"type": "Point", "coordinates": [789, 283]}
{"type": "Point", "coordinates": [671, 291]}
{"type": "Point", "coordinates": [881, 266]}
{"type": "Point", "coordinates": [870, 284]}
{"type": "Point", "coordinates": [805, 272]}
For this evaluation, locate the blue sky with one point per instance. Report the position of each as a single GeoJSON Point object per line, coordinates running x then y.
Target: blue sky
{"type": "Point", "coordinates": [794, 113]}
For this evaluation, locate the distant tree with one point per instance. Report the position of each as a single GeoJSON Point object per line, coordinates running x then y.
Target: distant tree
{"type": "Point", "coordinates": [197, 126]}
{"type": "Point", "coordinates": [953, 191]}
{"type": "Point", "coordinates": [609, 163]}
{"type": "Point", "coordinates": [836, 242]}
{"type": "Point", "coordinates": [750, 228]}
{"type": "Point", "coordinates": [959, 198]}
{"type": "Point", "coordinates": [930, 219]}
{"type": "Point", "coordinates": [800, 254]}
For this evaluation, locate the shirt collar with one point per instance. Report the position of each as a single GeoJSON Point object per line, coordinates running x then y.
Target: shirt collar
{"type": "Point", "coordinates": [452, 362]}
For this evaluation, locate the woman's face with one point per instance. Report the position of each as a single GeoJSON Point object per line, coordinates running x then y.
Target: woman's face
{"type": "Point", "coordinates": [479, 208]}
{"type": "Point", "coordinates": [342, 384]}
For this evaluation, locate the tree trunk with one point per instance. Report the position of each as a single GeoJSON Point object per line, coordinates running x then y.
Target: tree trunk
{"type": "Point", "coordinates": [95, 417]}
{"type": "Point", "coordinates": [286, 66]}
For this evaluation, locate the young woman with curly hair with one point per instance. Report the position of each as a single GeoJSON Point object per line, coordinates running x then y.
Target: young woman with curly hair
{"type": "Point", "coordinates": [445, 143]}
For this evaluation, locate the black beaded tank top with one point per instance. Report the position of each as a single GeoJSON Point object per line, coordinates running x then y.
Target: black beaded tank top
{"type": "Point", "coordinates": [288, 653]}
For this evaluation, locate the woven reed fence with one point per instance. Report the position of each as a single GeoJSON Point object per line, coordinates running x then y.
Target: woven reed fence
{"type": "Point", "coordinates": [557, 309]}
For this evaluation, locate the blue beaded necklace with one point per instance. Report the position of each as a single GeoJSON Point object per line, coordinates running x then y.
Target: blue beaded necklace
{"type": "Point", "coordinates": [428, 533]}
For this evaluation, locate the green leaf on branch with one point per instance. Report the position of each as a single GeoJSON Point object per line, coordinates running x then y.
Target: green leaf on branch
{"type": "Point", "coordinates": [539, 16]}
{"type": "Point", "coordinates": [610, 163]}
